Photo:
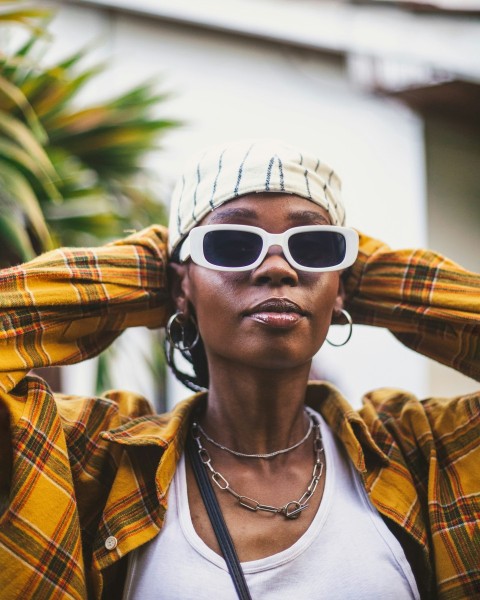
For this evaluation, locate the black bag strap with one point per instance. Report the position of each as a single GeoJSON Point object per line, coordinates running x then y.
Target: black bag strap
{"type": "Point", "coordinates": [218, 522]}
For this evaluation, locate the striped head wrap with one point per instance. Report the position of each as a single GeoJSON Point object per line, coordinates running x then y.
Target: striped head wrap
{"type": "Point", "coordinates": [222, 173]}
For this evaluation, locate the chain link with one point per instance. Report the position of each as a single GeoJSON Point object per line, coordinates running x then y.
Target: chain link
{"type": "Point", "coordinates": [266, 455]}
{"type": "Point", "coordinates": [292, 509]}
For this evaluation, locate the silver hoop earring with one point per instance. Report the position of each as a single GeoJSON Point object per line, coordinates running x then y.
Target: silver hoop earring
{"type": "Point", "coordinates": [177, 332]}
{"type": "Point", "coordinates": [350, 331]}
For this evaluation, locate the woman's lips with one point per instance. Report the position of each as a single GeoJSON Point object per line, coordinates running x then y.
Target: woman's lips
{"type": "Point", "coordinates": [277, 319]}
{"type": "Point", "coordinates": [276, 312]}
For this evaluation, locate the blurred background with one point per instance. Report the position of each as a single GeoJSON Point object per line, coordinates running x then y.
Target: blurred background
{"type": "Point", "coordinates": [387, 92]}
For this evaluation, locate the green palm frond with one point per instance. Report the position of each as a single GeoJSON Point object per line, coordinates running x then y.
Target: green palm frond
{"type": "Point", "coordinates": [23, 231]}
{"type": "Point", "coordinates": [21, 13]}
{"type": "Point", "coordinates": [12, 100]}
{"type": "Point", "coordinates": [83, 165]}
{"type": "Point", "coordinates": [19, 146]}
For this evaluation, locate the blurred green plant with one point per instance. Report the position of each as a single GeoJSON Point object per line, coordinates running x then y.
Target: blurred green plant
{"type": "Point", "coordinates": [68, 174]}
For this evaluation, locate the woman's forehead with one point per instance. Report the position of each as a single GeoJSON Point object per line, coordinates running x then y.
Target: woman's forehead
{"type": "Point", "coordinates": [264, 208]}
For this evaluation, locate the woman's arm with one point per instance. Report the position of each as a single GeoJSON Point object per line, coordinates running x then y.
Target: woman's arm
{"type": "Point", "coordinates": [70, 304]}
{"type": "Point", "coordinates": [428, 302]}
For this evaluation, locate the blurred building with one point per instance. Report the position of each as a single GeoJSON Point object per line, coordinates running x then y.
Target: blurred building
{"type": "Point", "coordinates": [386, 92]}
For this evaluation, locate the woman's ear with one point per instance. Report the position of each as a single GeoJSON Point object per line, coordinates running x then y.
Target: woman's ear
{"type": "Point", "coordinates": [339, 300]}
{"type": "Point", "coordinates": [178, 283]}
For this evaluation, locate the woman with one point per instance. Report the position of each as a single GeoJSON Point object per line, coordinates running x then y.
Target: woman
{"type": "Point", "coordinates": [321, 501]}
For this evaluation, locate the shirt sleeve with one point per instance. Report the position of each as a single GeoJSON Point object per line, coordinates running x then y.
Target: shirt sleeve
{"type": "Point", "coordinates": [431, 304]}
{"type": "Point", "coordinates": [70, 304]}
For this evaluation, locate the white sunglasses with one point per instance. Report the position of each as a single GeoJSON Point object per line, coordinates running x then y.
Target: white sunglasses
{"type": "Point", "coordinates": [313, 248]}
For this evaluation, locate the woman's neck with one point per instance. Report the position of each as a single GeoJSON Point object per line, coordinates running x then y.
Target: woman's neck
{"type": "Point", "coordinates": [256, 411]}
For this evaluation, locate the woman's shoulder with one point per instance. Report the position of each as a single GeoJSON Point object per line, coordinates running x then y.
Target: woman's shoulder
{"type": "Point", "coordinates": [443, 417]}
{"type": "Point", "coordinates": [91, 415]}
{"type": "Point", "coordinates": [121, 416]}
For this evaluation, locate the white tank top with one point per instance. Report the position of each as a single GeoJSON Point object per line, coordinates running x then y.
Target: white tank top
{"type": "Point", "coordinates": [347, 552]}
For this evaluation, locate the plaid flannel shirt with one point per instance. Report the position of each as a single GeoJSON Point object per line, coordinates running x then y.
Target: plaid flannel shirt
{"type": "Point", "coordinates": [86, 479]}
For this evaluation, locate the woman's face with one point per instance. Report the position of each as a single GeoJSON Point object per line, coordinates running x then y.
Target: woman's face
{"type": "Point", "coordinates": [274, 316]}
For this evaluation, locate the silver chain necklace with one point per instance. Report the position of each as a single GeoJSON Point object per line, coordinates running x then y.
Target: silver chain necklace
{"type": "Point", "coordinates": [290, 510]}
{"type": "Point", "coordinates": [267, 455]}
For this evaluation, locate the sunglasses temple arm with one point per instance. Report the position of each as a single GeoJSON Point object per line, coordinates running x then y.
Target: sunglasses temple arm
{"type": "Point", "coordinates": [184, 254]}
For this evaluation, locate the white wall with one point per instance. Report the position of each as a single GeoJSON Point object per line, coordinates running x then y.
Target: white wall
{"type": "Point", "coordinates": [453, 156]}
{"type": "Point", "coordinates": [228, 87]}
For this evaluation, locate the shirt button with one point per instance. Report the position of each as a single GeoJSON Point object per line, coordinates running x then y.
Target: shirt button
{"type": "Point", "coordinates": [111, 542]}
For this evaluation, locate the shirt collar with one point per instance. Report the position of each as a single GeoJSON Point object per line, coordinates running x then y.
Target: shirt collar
{"type": "Point", "coordinates": [346, 423]}
{"type": "Point", "coordinates": [169, 429]}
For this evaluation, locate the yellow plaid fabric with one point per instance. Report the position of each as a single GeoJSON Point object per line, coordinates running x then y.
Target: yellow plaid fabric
{"type": "Point", "coordinates": [84, 481]}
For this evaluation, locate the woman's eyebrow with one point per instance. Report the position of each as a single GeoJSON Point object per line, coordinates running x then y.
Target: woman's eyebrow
{"type": "Point", "coordinates": [228, 214]}
{"type": "Point", "coordinates": [301, 217]}
{"type": "Point", "coordinates": [309, 217]}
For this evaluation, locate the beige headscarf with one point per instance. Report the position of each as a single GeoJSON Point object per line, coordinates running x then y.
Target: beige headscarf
{"type": "Point", "coordinates": [222, 173]}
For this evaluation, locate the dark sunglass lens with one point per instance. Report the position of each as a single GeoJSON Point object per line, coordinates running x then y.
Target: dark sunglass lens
{"type": "Point", "coordinates": [317, 249]}
{"type": "Point", "coordinates": [230, 248]}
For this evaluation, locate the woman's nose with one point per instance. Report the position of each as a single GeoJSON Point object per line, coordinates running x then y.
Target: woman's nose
{"type": "Point", "coordinates": [275, 270]}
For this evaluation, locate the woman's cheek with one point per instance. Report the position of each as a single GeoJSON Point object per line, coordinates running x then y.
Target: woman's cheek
{"type": "Point", "coordinates": [213, 300]}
